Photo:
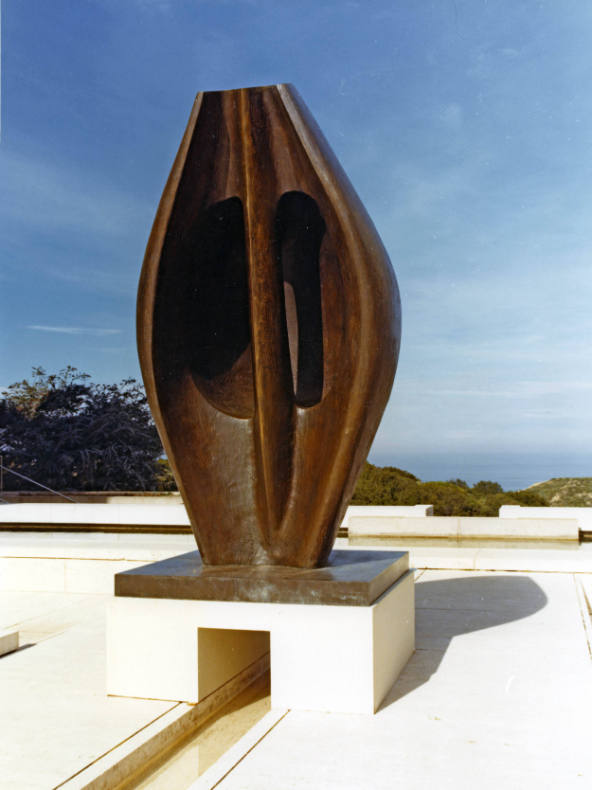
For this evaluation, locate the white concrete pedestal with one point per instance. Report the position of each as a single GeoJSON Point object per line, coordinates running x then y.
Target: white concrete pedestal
{"type": "Point", "coordinates": [323, 657]}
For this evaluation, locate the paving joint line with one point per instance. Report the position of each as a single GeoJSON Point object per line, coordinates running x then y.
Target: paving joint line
{"type": "Point", "coordinates": [249, 750]}
{"type": "Point", "coordinates": [119, 744]}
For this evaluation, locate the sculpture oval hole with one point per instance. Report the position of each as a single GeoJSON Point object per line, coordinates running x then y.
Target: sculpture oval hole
{"type": "Point", "coordinates": [299, 233]}
{"type": "Point", "coordinates": [217, 308]}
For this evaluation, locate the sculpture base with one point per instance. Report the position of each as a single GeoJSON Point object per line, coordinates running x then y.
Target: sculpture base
{"type": "Point", "coordinates": [352, 578]}
{"type": "Point", "coordinates": [335, 657]}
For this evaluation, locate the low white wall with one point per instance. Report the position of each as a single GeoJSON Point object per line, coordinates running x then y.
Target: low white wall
{"type": "Point", "coordinates": [79, 562]}
{"type": "Point", "coordinates": [99, 514]}
{"type": "Point", "coordinates": [134, 515]}
{"type": "Point", "coordinates": [387, 511]}
{"type": "Point", "coordinates": [583, 515]}
{"type": "Point", "coordinates": [154, 514]}
{"type": "Point", "coordinates": [463, 528]}
{"type": "Point", "coordinates": [93, 497]}
{"type": "Point", "coordinates": [86, 562]}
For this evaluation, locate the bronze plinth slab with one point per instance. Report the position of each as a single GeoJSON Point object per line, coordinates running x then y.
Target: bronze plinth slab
{"type": "Point", "coordinates": [352, 578]}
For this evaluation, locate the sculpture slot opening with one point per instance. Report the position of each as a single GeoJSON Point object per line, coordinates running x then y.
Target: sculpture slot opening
{"type": "Point", "coordinates": [299, 233]}
{"type": "Point", "coordinates": [219, 311]}
{"type": "Point", "coordinates": [217, 328]}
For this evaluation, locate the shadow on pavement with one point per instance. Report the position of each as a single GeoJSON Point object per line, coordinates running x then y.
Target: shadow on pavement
{"type": "Point", "coordinates": [450, 607]}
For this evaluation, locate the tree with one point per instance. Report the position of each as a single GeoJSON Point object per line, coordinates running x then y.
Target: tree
{"type": "Point", "coordinates": [383, 485]}
{"type": "Point", "coordinates": [484, 487]}
{"type": "Point", "coordinates": [458, 482]}
{"type": "Point", "coordinates": [26, 395]}
{"type": "Point", "coordinates": [67, 433]}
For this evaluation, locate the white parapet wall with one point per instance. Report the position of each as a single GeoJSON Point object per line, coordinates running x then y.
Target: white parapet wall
{"type": "Point", "coordinates": [157, 514]}
{"type": "Point", "coordinates": [363, 527]}
{"type": "Point", "coordinates": [387, 511]}
{"type": "Point", "coordinates": [93, 497]}
{"type": "Point", "coordinates": [79, 562]}
{"type": "Point", "coordinates": [85, 561]}
{"type": "Point", "coordinates": [583, 515]}
{"type": "Point", "coordinates": [96, 514]}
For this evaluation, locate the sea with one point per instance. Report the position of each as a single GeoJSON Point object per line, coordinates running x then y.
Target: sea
{"type": "Point", "coordinates": [512, 470]}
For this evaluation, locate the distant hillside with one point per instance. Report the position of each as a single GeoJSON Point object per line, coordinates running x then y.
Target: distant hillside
{"type": "Point", "coordinates": [565, 491]}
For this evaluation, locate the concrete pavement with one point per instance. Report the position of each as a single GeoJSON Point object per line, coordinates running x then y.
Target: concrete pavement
{"type": "Point", "coordinates": [499, 691]}
{"type": "Point", "coordinates": [498, 694]}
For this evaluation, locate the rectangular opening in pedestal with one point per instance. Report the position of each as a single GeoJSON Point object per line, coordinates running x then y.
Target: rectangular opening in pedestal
{"type": "Point", "coordinates": [224, 653]}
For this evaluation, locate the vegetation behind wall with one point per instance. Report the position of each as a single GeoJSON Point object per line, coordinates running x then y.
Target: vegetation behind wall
{"type": "Point", "coordinates": [387, 485]}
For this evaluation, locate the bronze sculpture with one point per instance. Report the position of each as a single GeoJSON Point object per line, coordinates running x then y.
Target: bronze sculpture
{"type": "Point", "coordinates": [268, 329]}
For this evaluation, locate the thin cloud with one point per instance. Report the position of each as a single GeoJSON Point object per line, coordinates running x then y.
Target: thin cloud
{"type": "Point", "coordinates": [57, 199]}
{"type": "Point", "coordinates": [74, 330]}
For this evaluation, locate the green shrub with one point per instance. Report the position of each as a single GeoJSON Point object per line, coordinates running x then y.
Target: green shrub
{"type": "Point", "coordinates": [389, 485]}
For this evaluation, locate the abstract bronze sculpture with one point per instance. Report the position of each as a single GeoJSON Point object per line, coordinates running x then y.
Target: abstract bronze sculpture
{"type": "Point", "coordinates": [268, 329]}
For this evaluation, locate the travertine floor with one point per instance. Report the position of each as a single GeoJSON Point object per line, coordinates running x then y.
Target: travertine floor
{"type": "Point", "coordinates": [499, 692]}
{"type": "Point", "coordinates": [54, 715]}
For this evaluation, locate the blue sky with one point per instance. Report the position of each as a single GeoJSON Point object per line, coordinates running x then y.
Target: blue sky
{"type": "Point", "coordinates": [465, 126]}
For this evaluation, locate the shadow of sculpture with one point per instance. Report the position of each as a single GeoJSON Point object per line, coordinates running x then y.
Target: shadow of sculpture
{"type": "Point", "coordinates": [448, 608]}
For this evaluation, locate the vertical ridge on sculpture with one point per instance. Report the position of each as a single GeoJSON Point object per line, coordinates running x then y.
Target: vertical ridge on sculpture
{"type": "Point", "coordinates": [268, 329]}
{"type": "Point", "coordinates": [271, 369]}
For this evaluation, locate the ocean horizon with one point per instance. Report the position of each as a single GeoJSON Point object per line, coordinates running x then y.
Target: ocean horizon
{"type": "Point", "coordinates": [511, 470]}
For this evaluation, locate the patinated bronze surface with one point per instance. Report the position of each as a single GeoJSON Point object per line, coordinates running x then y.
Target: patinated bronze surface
{"type": "Point", "coordinates": [268, 329]}
{"type": "Point", "coordinates": [352, 578]}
